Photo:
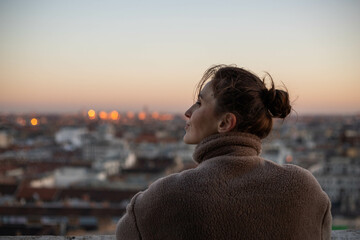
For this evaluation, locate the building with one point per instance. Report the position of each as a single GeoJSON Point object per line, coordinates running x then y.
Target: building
{"type": "Point", "coordinates": [339, 178]}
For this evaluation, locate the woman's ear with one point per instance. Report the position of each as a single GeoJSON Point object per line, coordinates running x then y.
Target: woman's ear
{"type": "Point", "coordinates": [227, 123]}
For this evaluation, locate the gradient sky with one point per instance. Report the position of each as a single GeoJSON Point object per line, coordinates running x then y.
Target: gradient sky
{"type": "Point", "coordinates": [65, 55]}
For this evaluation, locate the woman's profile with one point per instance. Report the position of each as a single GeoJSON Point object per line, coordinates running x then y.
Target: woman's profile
{"type": "Point", "coordinates": [233, 193]}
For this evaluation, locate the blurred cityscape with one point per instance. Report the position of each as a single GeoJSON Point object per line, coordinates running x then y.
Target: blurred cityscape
{"type": "Point", "coordinates": [73, 174]}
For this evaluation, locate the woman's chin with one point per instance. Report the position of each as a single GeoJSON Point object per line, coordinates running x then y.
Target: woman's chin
{"type": "Point", "coordinates": [188, 140]}
{"type": "Point", "coordinates": [185, 139]}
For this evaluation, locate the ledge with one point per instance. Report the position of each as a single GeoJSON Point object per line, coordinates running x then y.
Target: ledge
{"type": "Point", "coordinates": [336, 235]}
{"type": "Point", "coordinates": [95, 237]}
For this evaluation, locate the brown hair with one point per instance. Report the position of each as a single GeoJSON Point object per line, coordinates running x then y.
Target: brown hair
{"type": "Point", "coordinates": [244, 94]}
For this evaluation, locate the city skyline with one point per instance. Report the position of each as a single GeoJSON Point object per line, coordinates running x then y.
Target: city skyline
{"type": "Point", "coordinates": [66, 56]}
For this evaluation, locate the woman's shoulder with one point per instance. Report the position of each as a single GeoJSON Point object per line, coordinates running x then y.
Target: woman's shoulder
{"type": "Point", "coordinates": [300, 174]}
{"type": "Point", "coordinates": [291, 171]}
{"type": "Point", "coordinates": [300, 180]}
{"type": "Point", "coordinates": [170, 186]}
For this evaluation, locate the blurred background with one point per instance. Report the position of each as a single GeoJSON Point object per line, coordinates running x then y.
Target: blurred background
{"type": "Point", "coordinates": [92, 96]}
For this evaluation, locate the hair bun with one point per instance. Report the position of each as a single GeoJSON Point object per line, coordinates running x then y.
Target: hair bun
{"type": "Point", "coordinates": [277, 102]}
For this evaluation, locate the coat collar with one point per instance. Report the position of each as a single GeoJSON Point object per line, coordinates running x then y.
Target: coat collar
{"type": "Point", "coordinates": [230, 144]}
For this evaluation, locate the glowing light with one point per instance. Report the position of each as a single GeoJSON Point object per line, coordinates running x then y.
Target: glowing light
{"type": "Point", "coordinates": [142, 115]}
{"type": "Point", "coordinates": [114, 115]}
{"type": "Point", "coordinates": [103, 115]}
{"type": "Point", "coordinates": [91, 114]}
{"type": "Point", "coordinates": [155, 115]}
{"type": "Point", "coordinates": [34, 121]}
{"type": "Point", "coordinates": [288, 158]}
{"type": "Point", "coordinates": [166, 117]}
{"type": "Point", "coordinates": [130, 115]}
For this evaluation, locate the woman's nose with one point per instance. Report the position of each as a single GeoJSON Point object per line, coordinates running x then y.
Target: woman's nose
{"type": "Point", "coordinates": [188, 112]}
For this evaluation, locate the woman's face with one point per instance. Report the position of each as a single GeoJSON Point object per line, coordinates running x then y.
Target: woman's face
{"type": "Point", "coordinates": [202, 121]}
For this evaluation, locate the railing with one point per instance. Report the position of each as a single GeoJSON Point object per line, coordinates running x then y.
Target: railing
{"type": "Point", "coordinates": [336, 235]}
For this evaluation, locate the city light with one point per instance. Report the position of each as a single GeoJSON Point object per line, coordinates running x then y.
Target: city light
{"type": "Point", "coordinates": [130, 115]}
{"type": "Point", "coordinates": [34, 121]}
{"type": "Point", "coordinates": [114, 115]}
{"type": "Point", "coordinates": [289, 159]}
{"type": "Point", "coordinates": [166, 117]}
{"type": "Point", "coordinates": [103, 115]}
{"type": "Point", "coordinates": [91, 114]}
{"type": "Point", "coordinates": [155, 115]}
{"type": "Point", "coordinates": [142, 115]}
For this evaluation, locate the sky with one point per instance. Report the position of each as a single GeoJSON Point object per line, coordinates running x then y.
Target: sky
{"type": "Point", "coordinates": [67, 56]}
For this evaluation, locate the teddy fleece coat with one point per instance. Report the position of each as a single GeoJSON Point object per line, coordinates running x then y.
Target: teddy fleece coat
{"type": "Point", "coordinates": [232, 194]}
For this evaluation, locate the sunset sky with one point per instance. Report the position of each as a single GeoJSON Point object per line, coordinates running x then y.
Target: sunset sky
{"type": "Point", "coordinates": [67, 56]}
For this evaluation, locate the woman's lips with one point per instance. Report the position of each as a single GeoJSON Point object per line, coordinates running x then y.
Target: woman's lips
{"type": "Point", "coordinates": [187, 126]}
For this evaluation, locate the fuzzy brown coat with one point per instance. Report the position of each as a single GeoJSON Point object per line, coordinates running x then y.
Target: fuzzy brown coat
{"type": "Point", "coordinates": [232, 194]}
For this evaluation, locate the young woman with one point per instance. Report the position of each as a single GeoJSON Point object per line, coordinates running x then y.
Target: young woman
{"type": "Point", "coordinates": [232, 193]}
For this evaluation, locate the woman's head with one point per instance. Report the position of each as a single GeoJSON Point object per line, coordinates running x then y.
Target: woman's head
{"type": "Point", "coordinates": [244, 96]}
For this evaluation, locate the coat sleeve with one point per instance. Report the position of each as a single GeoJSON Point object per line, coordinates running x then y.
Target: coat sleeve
{"type": "Point", "coordinates": [127, 227]}
{"type": "Point", "coordinates": [327, 223]}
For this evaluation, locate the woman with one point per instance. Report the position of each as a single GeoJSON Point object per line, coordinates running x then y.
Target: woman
{"type": "Point", "coordinates": [233, 193]}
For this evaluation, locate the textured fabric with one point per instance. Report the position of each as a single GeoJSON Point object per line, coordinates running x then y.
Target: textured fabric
{"type": "Point", "coordinates": [232, 194]}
